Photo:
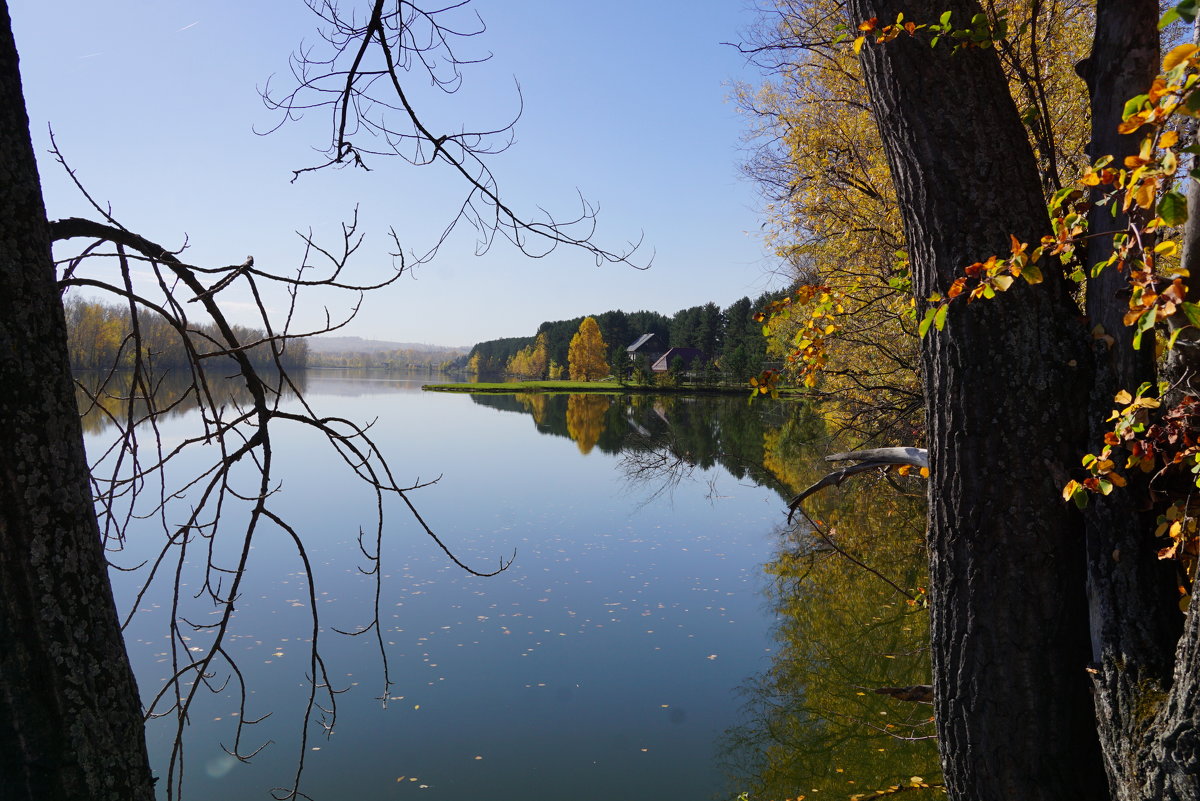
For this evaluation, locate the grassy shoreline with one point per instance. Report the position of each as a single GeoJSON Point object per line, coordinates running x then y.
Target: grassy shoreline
{"type": "Point", "coordinates": [608, 387]}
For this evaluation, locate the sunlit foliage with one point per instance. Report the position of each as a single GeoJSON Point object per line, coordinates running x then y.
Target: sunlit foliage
{"type": "Point", "coordinates": [830, 207]}
{"type": "Point", "coordinates": [100, 337]}
{"type": "Point", "coordinates": [586, 355]}
{"type": "Point", "coordinates": [531, 361]}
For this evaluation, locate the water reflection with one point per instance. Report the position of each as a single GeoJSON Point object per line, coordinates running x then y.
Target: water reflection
{"type": "Point", "coordinates": [663, 439]}
{"type": "Point", "coordinates": [107, 398]}
{"type": "Point", "coordinates": [814, 721]}
{"type": "Point", "coordinates": [605, 658]}
{"type": "Point", "coordinates": [585, 419]}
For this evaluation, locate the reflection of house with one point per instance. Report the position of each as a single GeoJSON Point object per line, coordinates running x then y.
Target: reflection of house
{"type": "Point", "coordinates": [647, 345]}
{"type": "Point", "coordinates": [692, 357]}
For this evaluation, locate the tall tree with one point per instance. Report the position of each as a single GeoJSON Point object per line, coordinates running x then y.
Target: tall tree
{"type": "Point", "coordinates": [586, 353]}
{"type": "Point", "coordinates": [70, 720]}
{"type": "Point", "coordinates": [1005, 383]}
{"type": "Point", "coordinates": [1013, 709]}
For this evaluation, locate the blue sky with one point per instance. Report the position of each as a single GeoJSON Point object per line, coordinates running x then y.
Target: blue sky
{"type": "Point", "coordinates": [156, 107]}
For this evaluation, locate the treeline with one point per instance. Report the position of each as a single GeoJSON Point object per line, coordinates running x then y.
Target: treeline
{"type": "Point", "coordinates": [730, 338]}
{"type": "Point", "coordinates": [100, 336]}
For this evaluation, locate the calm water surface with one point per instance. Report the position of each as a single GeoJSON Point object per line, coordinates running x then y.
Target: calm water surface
{"type": "Point", "coordinates": [604, 663]}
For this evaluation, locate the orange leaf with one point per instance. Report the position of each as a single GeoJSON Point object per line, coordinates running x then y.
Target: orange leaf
{"type": "Point", "coordinates": [1157, 89]}
{"type": "Point", "coordinates": [1134, 122]}
{"type": "Point", "coordinates": [1178, 54]}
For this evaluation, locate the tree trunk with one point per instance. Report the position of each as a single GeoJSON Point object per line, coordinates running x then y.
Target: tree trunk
{"type": "Point", "coordinates": [1005, 382]}
{"type": "Point", "coordinates": [70, 720]}
{"type": "Point", "coordinates": [1134, 614]}
{"type": "Point", "coordinates": [1182, 365]}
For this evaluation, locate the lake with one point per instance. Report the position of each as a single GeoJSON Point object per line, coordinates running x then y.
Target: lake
{"type": "Point", "coordinates": [637, 646]}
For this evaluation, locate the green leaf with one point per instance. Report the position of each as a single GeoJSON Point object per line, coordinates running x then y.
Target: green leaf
{"type": "Point", "coordinates": [1060, 196]}
{"type": "Point", "coordinates": [1192, 312]}
{"type": "Point", "coordinates": [939, 319]}
{"type": "Point", "coordinates": [1032, 274]}
{"type": "Point", "coordinates": [1145, 323]}
{"type": "Point", "coordinates": [1185, 10]}
{"type": "Point", "coordinates": [1133, 105]}
{"type": "Point", "coordinates": [945, 18]}
{"type": "Point", "coordinates": [1173, 208]}
{"type": "Point", "coordinates": [923, 328]}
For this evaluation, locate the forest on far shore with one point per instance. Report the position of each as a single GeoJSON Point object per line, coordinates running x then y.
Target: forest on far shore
{"type": "Point", "coordinates": [102, 336]}
{"type": "Point", "coordinates": [731, 340]}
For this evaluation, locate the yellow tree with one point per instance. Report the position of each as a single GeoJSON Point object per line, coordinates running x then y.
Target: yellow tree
{"type": "Point", "coordinates": [585, 355]}
{"type": "Point", "coordinates": [831, 208]}
{"type": "Point", "coordinates": [530, 362]}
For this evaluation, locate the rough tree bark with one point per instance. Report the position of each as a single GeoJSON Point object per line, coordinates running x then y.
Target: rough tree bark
{"type": "Point", "coordinates": [1005, 382]}
{"type": "Point", "coordinates": [1133, 602]}
{"type": "Point", "coordinates": [70, 719]}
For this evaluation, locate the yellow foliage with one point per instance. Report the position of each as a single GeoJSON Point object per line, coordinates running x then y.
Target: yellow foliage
{"type": "Point", "coordinates": [586, 353]}
{"type": "Point", "coordinates": [585, 419]}
{"type": "Point", "coordinates": [832, 215]}
{"type": "Point", "coordinates": [530, 362]}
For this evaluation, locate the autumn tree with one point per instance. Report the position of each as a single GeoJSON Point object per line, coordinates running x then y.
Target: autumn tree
{"type": "Point", "coordinates": [531, 361]}
{"type": "Point", "coordinates": [1055, 676]}
{"type": "Point", "coordinates": [831, 214]}
{"type": "Point", "coordinates": [585, 357]}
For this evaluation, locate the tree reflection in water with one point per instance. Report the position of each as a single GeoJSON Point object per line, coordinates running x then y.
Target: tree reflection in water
{"type": "Point", "coordinates": [585, 419]}
{"type": "Point", "coordinates": [814, 724]}
{"type": "Point", "coordinates": [814, 721]}
{"type": "Point", "coordinates": [104, 396]}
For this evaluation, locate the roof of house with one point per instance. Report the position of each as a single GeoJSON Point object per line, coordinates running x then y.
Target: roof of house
{"type": "Point", "coordinates": [642, 340]}
{"type": "Point", "coordinates": [688, 355]}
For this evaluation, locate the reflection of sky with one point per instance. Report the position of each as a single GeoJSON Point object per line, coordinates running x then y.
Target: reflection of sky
{"type": "Point", "coordinates": [601, 664]}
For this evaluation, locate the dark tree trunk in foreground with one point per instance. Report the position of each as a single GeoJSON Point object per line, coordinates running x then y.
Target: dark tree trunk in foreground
{"type": "Point", "coordinates": [1006, 384]}
{"type": "Point", "coordinates": [70, 722]}
{"type": "Point", "coordinates": [1132, 595]}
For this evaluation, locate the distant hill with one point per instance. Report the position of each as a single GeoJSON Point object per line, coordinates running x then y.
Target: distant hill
{"type": "Point", "coordinates": [325, 344]}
